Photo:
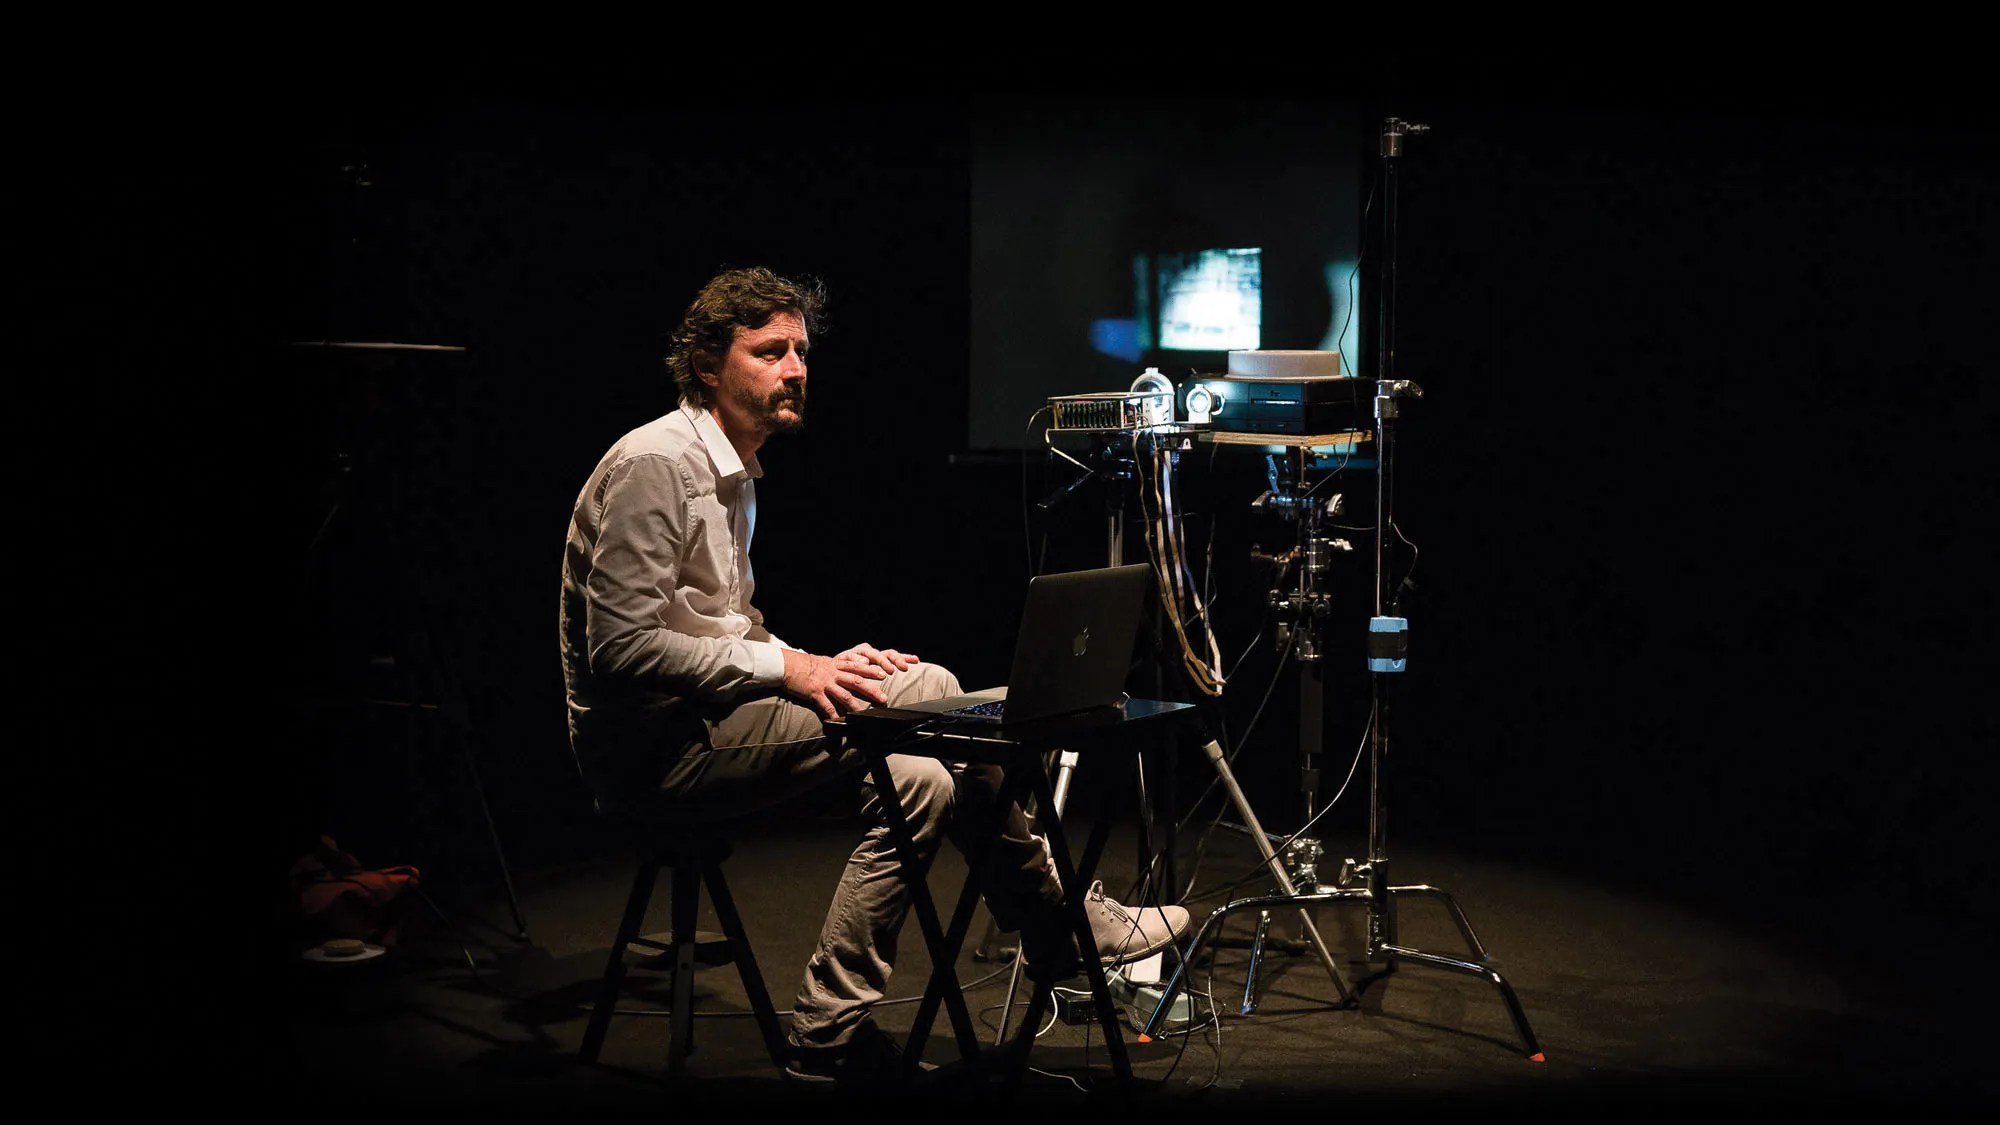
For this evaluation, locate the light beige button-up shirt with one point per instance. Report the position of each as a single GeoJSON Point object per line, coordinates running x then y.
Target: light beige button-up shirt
{"type": "Point", "coordinates": [657, 582]}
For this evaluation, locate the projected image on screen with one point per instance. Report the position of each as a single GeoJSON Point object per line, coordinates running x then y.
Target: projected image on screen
{"type": "Point", "coordinates": [1210, 300]}
{"type": "Point", "coordinates": [1112, 234]}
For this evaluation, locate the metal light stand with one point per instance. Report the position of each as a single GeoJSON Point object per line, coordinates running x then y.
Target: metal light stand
{"type": "Point", "coordinates": [1368, 881]}
{"type": "Point", "coordinates": [1302, 613]}
{"type": "Point", "coordinates": [419, 663]}
{"type": "Point", "coordinates": [1303, 609]}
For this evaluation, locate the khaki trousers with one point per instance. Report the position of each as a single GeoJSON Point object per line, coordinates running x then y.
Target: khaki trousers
{"type": "Point", "coordinates": [770, 750]}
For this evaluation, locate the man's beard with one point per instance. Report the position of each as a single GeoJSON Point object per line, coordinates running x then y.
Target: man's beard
{"type": "Point", "coordinates": [764, 411]}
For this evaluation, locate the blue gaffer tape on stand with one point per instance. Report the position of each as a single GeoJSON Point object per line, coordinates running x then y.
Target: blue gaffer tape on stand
{"type": "Point", "coordinates": [1388, 643]}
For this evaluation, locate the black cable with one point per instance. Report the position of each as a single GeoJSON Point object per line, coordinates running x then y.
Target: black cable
{"type": "Point", "coordinates": [1279, 847]}
{"type": "Point", "coordinates": [1229, 759]}
{"type": "Point", "coordinates": [1222, 713]}
{"type": "Point", "coordinates": [1345, 456]}
{"type": "Point", "coordinates": [1230, 756]}
{"type": "Point", "coordinates": [1360, 256]}
{"type": "Point", "coordinates": [787, 1015]}
{"type": "Point", "coordinates": [1208, 585]}
{"type": "Point", "coordinates": [1185, 1036]}
{"type": "Point", "coordinates": [1215, 1075]}
{"type": "Point", "coordinates": [1005, 968]}
{"type": "Point", "coordinates": [1164, 573]}
{"type": "Point", "coordinates": [1144, 880]}
{"type": "Point", "coordinates": [1405, 584]}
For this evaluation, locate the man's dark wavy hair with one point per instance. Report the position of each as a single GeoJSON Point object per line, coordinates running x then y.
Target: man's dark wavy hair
{"type": "Point", "coordinates": [741, 298]}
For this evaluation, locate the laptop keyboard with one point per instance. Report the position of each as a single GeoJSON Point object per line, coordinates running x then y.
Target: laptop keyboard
{"type": "Point", "coordinates": [982, 710]}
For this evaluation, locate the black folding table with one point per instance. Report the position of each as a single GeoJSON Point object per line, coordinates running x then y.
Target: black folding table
{"type": "Point", "coordinates": [1107, 736]}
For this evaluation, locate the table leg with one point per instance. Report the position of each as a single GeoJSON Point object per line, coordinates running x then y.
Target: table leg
{"type": "Point", "coordinates": [942, 986]}
{"type": "Point", "coordinates": [943, 973]}
{"type": "Point", "coordinates": [1075, 887]}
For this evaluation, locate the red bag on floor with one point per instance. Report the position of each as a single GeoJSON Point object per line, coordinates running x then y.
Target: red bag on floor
{"type": "Point", "coordinates": [340, 899]}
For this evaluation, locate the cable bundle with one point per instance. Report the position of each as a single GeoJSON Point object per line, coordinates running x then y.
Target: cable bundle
{"type": "Point", "coordinates": [1166, 552]}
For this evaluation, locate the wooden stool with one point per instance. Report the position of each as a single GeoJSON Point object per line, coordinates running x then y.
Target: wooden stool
{"type": "Point", "coordinates": [693, 859]}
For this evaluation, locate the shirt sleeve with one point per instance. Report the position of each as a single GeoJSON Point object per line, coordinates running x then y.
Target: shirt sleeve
{"type": "Point", "coordinates": [757, 630]}
{"type": "Point", "coordinates": [643, 528]}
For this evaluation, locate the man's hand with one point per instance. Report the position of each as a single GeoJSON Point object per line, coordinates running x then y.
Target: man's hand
{"type": "Point", "coordinates": [865, 655]}
{"type": "Point", "coordinates": [835, 685]}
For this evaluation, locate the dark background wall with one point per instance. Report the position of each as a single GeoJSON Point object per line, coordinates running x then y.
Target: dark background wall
{"type": "Point", "coordinates": [1068, 190]}
{"type": "Point", "coordinates": [1701, 484]}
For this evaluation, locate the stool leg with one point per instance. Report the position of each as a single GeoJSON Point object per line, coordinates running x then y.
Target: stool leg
{"type": "Point", "coordinates": [687, 891]}
{"type": "Point", "coordinates": [614, 971]}
{"type": "Point", "coordinates": [746, 964]}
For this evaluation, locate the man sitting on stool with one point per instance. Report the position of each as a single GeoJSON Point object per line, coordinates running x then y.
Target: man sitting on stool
{"type": "Point", "coordinates": [684, 708]}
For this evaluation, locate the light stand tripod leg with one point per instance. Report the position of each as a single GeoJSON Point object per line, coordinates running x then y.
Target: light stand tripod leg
{"type": "Point", "coordinates": [1455, 965]}
{"type": "Point", "coordinates": [1256, 958]}
{"type": "Point", "coordinates": [420, 641]}
{"type": "Point", "coordinates": [1065, 766]}
{"type": "Point", "coordinates": [1457, 915]}
{"type": "Point", "coordinates": [1007, 1009]}
{"type": "Point", "coordinates": [371, 495]}
{"type": "Point", "coordinates": [493, 835]}
{"type": "Point", "coordinates": [1388, 637]}
{"type": "Point", "coordinates": [1213, 750]}
{"type": "Point", "coordinates": [1212, 925]}
{"type": "Point", "coordinates": [1384, 906]}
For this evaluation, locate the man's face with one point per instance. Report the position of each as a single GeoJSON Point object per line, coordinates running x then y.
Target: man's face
{"type": "Point", "coordinates": [761, 384]}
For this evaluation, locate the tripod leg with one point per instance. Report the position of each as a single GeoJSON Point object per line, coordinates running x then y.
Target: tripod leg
{"type": "Point", "coordinates": [993, 946]}
{"type": "Point", "coordinates": [990, 948]}
{"type": "Point", "coordinates": [493, 835]}
{"type": "Point", "coordinates": [1457, 915]}
{"type": "Point", "coordinates": [1065, 766]}
{"type": "Point", "coordinates": [1007, 1009]}
{"type": "Point", "coordinates": [1507, 996]}
{"type": "Point", "coordinates": [421, 641]}
{"type": "Point", "coordinates": [1214, 752]}
{"type": "Point", "coordinates": [1209, 927]}
{"type": "Point", "coordinates": [1256, 958]}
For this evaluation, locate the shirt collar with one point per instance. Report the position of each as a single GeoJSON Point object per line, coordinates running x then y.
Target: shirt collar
{"type": "Point", "coordinates": [719, 450]}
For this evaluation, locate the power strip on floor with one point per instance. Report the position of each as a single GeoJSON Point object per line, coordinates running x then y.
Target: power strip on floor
{"type": "Point", "coordinates": [1135, 1002]}
{"type": "Point", "coordinates": [1141, 999]}
{"type": "Point", "coordinates": [1075, 1006]}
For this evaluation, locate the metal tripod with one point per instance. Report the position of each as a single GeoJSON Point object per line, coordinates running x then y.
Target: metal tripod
{"type": "Point", "coordinates": [1302, 612]}
{"type": "Point", "coordinates": [1368, 881]}
{"type": "Point", "coordinates": [418, 664]}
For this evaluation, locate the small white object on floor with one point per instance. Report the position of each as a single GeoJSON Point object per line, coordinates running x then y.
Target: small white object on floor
{"type": "Point", "coordinates": [341, 950]}
{"type": "Point", "coordinates": [1145, 970]}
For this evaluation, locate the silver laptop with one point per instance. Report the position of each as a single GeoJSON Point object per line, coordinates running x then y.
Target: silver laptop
{"type": "Point", "coordinates": [1074, 649]}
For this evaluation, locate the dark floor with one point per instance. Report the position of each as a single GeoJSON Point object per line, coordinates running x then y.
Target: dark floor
{"type": "Point", "coordinates": [1636, 1003]}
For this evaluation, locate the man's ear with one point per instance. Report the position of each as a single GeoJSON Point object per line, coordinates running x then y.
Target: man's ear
{"type": "Point", "coordinates": [704, 368]}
